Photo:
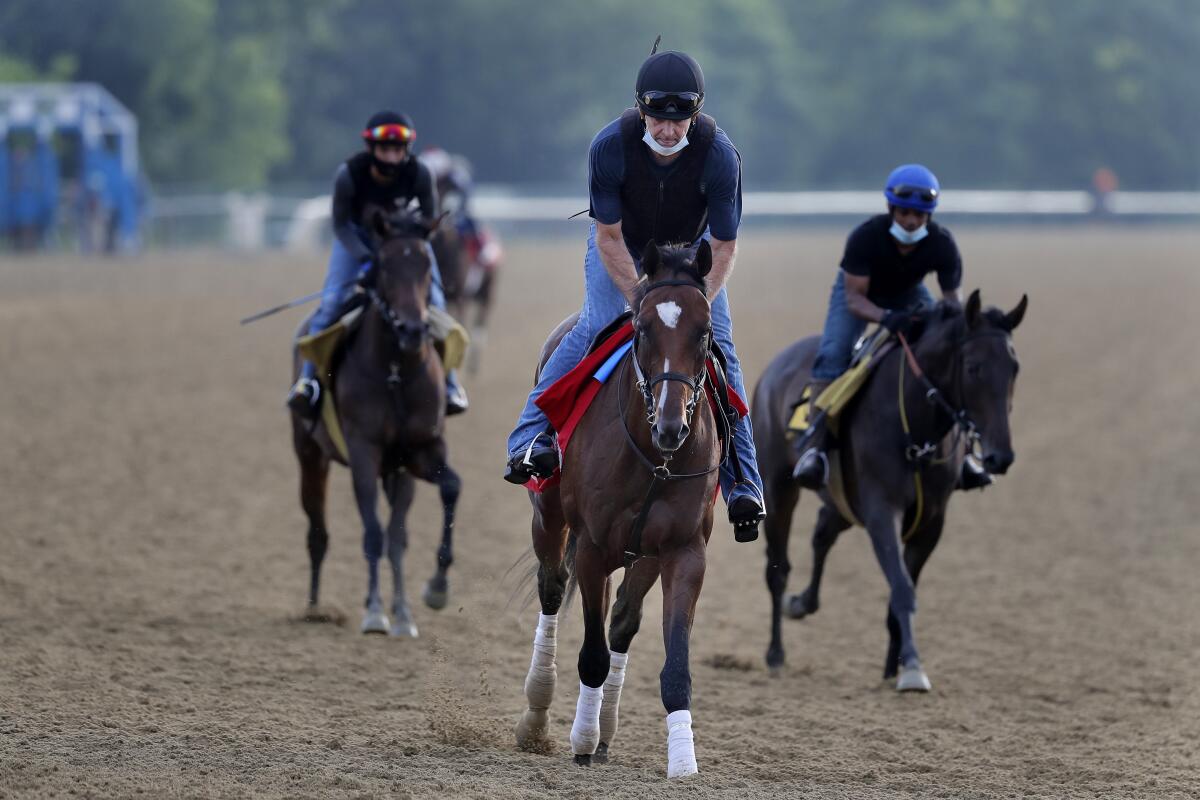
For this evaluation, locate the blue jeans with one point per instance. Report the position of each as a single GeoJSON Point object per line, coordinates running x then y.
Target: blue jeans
{"type": "Point", "coordinates": [602, 303]}
{"type": "Point", "coordinates": [340, 285]}
{"type": "Point", "coordinates": [842, 328]}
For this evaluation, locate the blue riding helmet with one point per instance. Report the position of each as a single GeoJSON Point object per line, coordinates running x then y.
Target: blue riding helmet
{"type": "Point", "coordinates": [912, 186]}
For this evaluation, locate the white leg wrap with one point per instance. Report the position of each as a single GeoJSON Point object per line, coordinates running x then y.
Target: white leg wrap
{"type": "Point", "coordinates": [681, 753]}
{"type": "Point", "coordinates": [585, 732]}
{"type": "Point", "coordinates": [539, 683]}
{"type": "Point", "coordinates": [612, 696]}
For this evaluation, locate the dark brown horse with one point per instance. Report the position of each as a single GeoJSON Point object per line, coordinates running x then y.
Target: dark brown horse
{"type": "Point", "coordinates": [390, 397]}
{"type": "Point", "coordinates": [900, 427]}
{"type": "Point", "coordinates": [611, 510]}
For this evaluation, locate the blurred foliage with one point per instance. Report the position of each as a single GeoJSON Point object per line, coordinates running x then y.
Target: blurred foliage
{"type": "Point", "coordinates": [823, 93]}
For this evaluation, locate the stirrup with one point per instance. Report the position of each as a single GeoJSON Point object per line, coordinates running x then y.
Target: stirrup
{"type": "Point", "coordinates": [304, 397]}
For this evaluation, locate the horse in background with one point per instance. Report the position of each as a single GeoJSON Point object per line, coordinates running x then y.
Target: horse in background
{"type": "Point", "coordinates": [638, 486]}
{"type": "Point", "coordinates": [902, 442]}
{"type": "Point", "coordinates": [390, 395]}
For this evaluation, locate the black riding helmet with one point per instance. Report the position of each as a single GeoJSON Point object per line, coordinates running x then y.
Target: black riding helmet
{"type": "Point", "coordinates": [670, 85]}
{"type": "Point", "coordinates": [388, 126]}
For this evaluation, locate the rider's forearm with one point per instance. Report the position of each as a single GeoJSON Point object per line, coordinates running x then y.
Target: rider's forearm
{"type": "Point", "coordinates": [724, 254]}
{"type": "Point", "coordinates": [863, 308]}
{"type": "Point", "coordinates": [616, 258]}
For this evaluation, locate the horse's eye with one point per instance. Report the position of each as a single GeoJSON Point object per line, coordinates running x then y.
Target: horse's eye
{"type": "Point", "coordinates": [974, 370]}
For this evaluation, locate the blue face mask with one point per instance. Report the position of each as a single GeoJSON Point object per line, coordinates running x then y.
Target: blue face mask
{"type": "Point", "coordinates": [906, 237]}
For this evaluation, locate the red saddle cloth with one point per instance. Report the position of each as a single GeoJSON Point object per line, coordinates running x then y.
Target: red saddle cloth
{"type": "Point", "coordinates": [566, 400]}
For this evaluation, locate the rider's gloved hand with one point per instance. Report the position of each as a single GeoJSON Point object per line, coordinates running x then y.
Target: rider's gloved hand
{"type": "Point", "coordinates": [897, 321]}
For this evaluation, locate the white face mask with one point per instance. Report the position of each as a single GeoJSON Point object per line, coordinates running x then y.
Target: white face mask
{"type": "Point", "coordinates": [907, 237]}
{"type": "Point", "coordinates": [664, 151]}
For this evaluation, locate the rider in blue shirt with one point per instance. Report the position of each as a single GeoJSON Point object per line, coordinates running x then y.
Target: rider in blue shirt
{"type": "Point", "coordinates": [882, 280]}
{"type": "Point", "coordinates": [662, 171]}
{"type": "Point", "coordinates": [385, 175]}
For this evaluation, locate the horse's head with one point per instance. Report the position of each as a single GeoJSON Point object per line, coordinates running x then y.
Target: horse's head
{"type": "Point", "coordinates": [979, 358]}
{"type": "Point", "coordinates": [402, 273]}
{"type": "Point", "coordinates": [673, 328]}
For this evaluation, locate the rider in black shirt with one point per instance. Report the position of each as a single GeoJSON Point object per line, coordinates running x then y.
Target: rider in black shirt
{"type": "Point", "coordinates": [882, 280]}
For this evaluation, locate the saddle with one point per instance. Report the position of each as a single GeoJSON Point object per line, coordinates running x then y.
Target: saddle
{"type": "Point", "coordinates": [868, 354]}
{"type": "Point", "coordinates": [324, 349]}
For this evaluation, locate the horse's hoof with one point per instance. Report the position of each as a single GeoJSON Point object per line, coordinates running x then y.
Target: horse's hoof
{"type": "Point", "coordinates": [583, 760]}
{"type": "Point", "coordinates": [799, 606]}
{"type": "Point", "coordinates": [601, 755]}
{"type": "Point", "coordinates": [403, 629]}
{"type": "Point", "coordinates": [775, 661]}
{"type": "Point", "coordinates": [436, 594]}
{"type": "Point", "coordinates": [913, 679]}
{"type": "Point", "coordinates": [531, 730]}
{"type": "Point", "coordinates": [775, 670]}
{"type": "Point", "coordinates": [375, 622]}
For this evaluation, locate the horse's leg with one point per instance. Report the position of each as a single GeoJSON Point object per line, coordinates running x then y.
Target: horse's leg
{"type": "Point", "coordinates": [626, 619]}
{"type": "Point", "coordinates": [593, 655]}
{"type": "Point", "coordinates": [314, 471]}
{"type": "Point", "coordinates": [918, 549]}
{"type": "Point", "coordinates": [430, 464]}
{"type": "Point", "coordinates": [829, 525]}
{"type": "Point", "coordinates": [549, 545]}
{"type": "Point", "coordinates": [883, 527]}
{"type": "Point", "coordinates": [365, 460]}
{"type": "Point", "coordinates": [400, 488]}
{"type": "Point", "coordinates": [682, 577]}
{"type": "Point", "coordinates": [782, 494]}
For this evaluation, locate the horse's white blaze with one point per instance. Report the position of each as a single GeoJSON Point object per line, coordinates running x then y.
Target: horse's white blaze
{"type": "Point", "coordinates": [669, 313]}
{"type": "Point", "coordinates": [612, 696]}
{"type": "Point", "coordinates": [662, 393]}
{"type": "Point", "coordinates": [681, 752]}
{"type": "Point", "coordinates": [585, 732]}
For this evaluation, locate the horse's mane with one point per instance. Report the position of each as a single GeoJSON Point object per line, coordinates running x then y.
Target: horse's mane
{"type": "Point", "coordinates": [677, 262]}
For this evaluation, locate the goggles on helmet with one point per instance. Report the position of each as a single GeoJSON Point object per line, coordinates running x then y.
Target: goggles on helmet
{"type": "Point", "coordinates": [923, 193]}
{"type": "Point", "coordinates": [389, 133]}
{"type": "Point", "coordinates": [671, 102]}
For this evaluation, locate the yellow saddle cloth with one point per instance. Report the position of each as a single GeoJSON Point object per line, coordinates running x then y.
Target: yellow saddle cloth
{"type": "Point", "coordinates": [320, 348]}
{"type": "Point", "coordinates": [838, 394]}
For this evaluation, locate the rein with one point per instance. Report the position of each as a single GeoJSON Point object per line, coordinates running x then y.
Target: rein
{"type": "Point", "coordinates": [660, 474]}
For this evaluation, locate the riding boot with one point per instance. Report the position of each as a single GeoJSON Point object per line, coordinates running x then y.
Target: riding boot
{"type": "Point", "coordinates": [973, 475]}
{"type": "Point", "coordinates": [812, 468]}
{"type": "Point", "coordinates": [305, 394]}
{"type": "Point", "coordinates": [456, 395]}
{"type": "Point", "coordinates": [539, 460]}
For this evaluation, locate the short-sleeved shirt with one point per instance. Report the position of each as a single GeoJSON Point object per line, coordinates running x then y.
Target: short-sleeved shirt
{"type": "Point", "coordinates": [871, 252]}
{"type": "Point", "coordinates": [722, 172]}
{"type": "Point", "coordinates": [354, 189]}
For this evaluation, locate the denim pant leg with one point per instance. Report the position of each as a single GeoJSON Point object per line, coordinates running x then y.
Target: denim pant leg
{"type": "Point", "coordinates": [602, 303]}
{"type": "Point", "coordinates": [743, 433]}
{"type": "Point", "coordinates": [339, 277]}
{"type": "Point", "coordinates": [842, 330]}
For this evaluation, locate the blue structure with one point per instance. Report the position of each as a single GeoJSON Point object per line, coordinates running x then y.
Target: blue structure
{"type": "Point", "coordinates": [71, 147]}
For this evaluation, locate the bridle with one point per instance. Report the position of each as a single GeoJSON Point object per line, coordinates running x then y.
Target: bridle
{"type": "Point", "coordinates": [660, 474]}
{"type": "Point", "coordinates": [920, 455]}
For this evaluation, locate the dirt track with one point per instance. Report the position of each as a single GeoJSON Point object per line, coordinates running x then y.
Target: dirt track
{"type": "Point", "coordinates": [153, 559]}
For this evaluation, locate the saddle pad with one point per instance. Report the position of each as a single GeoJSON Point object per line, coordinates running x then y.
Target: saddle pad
{"type": "Point", "coordinates": [566, 400]}
{"type": "Point", "coordinates": [838, 394]}
{"type": "Point", "coordinates": [453, 336]}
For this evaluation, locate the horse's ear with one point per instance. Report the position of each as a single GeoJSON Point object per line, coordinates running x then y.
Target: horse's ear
{"type": "Point", "coordinates": [974, 304]}
{"type": "Point", "coordinates": [1013, 318]}
{"type": "Point", "coordinates": [650, 259]}
{"type": "Point", "coordinates": [704, 258]}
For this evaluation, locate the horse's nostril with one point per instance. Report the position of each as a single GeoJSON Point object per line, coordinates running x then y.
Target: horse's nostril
{"type": "Point", "coordinates": [998, 463]}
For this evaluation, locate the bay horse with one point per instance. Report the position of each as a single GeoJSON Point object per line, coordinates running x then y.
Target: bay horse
{"type": "Point", "coordinates": [902, 443]}
{"type": "Point", "coordinates": [390, 396]}
{"type": "Point", "coordinates": [638, 488]}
